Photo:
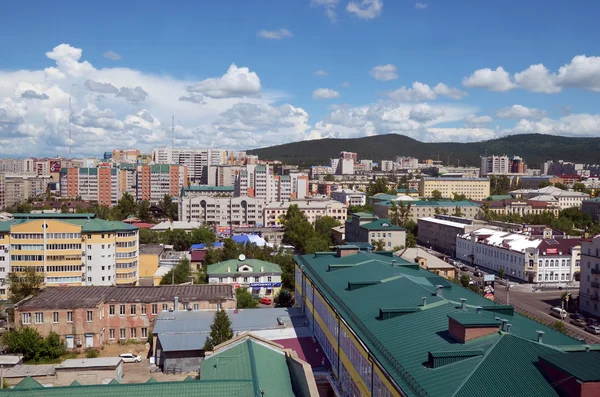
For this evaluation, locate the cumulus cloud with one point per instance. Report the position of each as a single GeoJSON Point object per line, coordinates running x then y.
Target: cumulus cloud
{"type": "Point", "coordinates": [236, 83]}
{"type": "Point", "coordinates": [575, 125]}
{"type": "Point", "coordinates": [325, 93]}
{"type": "Point", "coordinates": [477, 121]}
{"type": "Point", "coordinates": [133, 95]}
{"type": "Point", "coordinates": [274, 34]}
{"type": "Point", "coordinates": [423, 112]}
{"type": "Point", "coordinates": [421, 6]}
{"type": "Point", "coordinates": [537, 78]}
{"type": "Point", "coordinates": [193, 98]}
{"type": "Point", "coordinates": [521, 112]}
{"type": "Point", "coordinates": [31, 94]}
{"type": "Point", "coordinates": [423, 92]}
{"type": "Point", "coordinates": [365, 9]}
{"type": "Point", "coordinates": [384, 72]}
{"type": "Point", "coordinates": [321, 73]}
{"type": "Point", "coordinates": [105, 88]}
{"type": "Point", "coordinates": [493, 80]}
{"type": "Point", "coordinates": [329, 6]}
{"type": "Point", "coordinates": [112, 55]}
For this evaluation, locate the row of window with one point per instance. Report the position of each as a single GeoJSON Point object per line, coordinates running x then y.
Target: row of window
{"type": "Point", "coordinates": [63, 280]}
{"type": "Point", "coordinates": [63, 246]}
{"type": "Point", "coordinates": [64, 258]}
{"type": "Point", "coordinates": [133, 334]}
{"type": "Point", "coordinates": [20, 269]}
{"type": "Point", "coordinates": [64, 268]}
{"type": "Point", "coordinates": [126, 265]}
{"type": "Point", "coordinates": [126, 254]}
{"type": "Point", "coordinates": [126, 244]}
{"type": "Point", "coordinates": [126, 234]}
{"type": "Point", "coordinates": [243, 279]}
{"type": "Point", "coordinates": [62, 236]}
{"type": "Point", "coordinates": [126, 275]}
{"type": "Point", "coordinates": [27, 247]}
{"type": "Point", "coordinates": [27, 258]}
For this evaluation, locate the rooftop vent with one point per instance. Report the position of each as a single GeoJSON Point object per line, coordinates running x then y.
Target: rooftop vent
{"type": "Point", "coordinates": [424, 301]}
{"type": "Point", "coordinates": [463, 304]}
{"type": "Point", "coordinates": [391, 312]}
{"type": "Point", "coordinates": [540, 336]}
{"type": "Point", "coordinates": [438, 290]}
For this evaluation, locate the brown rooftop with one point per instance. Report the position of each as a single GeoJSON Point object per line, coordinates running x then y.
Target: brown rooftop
{"type": "Point", "coordinates": [82, 297]}
{"type": "Point", "coordinates": [155, 249]}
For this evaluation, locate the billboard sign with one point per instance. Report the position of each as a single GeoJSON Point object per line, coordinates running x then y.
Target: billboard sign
{"type": "Point", "coordinates": [268, 285]}
{"type": "Point", "coordinates": [54, 166]}
{"type": "Point", "coordinates": [488, 286]}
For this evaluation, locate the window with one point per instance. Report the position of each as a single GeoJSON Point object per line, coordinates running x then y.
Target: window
{"type": "Point", "coordinates": [133, 333]}
{"type": "Point", "coordinates": [122, 334]}
{"type": "Point", "coordinates": [89, 257]}
{"type": "Point", "coordinates": [55, 317]}
{"type": "Point", "coordinates": [111, 333]}
{"type": "Point", "coordinates": [122, 310]}
{"type": "Point", "coordinates": [196, 306]}
{"type": "Point", "coordinates": [90, 316]}
{"type": "Point", "coordinates": [39, 318]}
{"type": "Point", "coordinates": [269, 279]}
{"type": "Point", "coordinates": [256, 279]}
{"type": "Point", "coordinates": [69, 317]}
{"type": "Point", "coordinates": [144, 333]}
{"type": "Point", "coordinates": [245, 279]}
{"type": "Point", "coordinates": [220, 279]}
{"type": "Point", "coordinates": [111, 310]}
{"type": "Point", "coordinates": [102, 268]}
{"type": "Point", "coordinates": [26, 318]}
{"type": "Point", "coordinates": [154, 308]}
{"type": "Point", "coordinates": [89, 247]}
{"type": "Point", "coordinates": [132, 310]}
{"type": "Point", "coordinates": [165, 307]}
{"type": "Point", "coordinates": [143, 307]}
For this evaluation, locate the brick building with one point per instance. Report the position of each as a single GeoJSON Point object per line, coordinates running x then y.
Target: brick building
{"type": "Point", "coordinates": [91, 316]}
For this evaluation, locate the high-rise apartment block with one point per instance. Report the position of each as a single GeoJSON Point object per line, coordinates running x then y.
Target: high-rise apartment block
{"type": "Point", "coordinates": [196, 160]}
{"type": "Point", "coordinates": [157, 180]}
{"type": "Point", "coordinates": [501, 165]}
{"type": "Point", "coordinates": [18, 187]}
{"type": "Point", "coordinates": [259, 181]}
{"type": "Point", "coordinates": [100, 185]}
{"type": "Point", "coordinates": [126, 155]}
{"type": "Point", "coordinates": [349, 156]}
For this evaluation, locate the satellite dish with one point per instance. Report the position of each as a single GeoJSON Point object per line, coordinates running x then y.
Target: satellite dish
{"type": "Point", "coordinates": [242, 257]}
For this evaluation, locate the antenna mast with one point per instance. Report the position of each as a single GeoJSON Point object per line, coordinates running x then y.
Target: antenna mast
{"type": "Point", "coordinates": [173, 132]}
{"type": "Point", "coordinates": [70, 115]}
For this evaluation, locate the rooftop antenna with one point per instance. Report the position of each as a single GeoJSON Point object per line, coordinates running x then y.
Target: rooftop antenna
{"type": "Point", "coordinates": [173, 132]}
{"type": "Point", "coordinates": [70, 115]}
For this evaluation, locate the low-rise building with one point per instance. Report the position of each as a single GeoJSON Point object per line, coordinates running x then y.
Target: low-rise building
{"type": "Point", "coordinates": [273, 235]}
{"type": "Point", "coordinates": [510, 206]}
{"type": "Point", "coordinates": [425, 208]}
{"type": "Point", "coordinates": [428, 261]}
{"type": "Point", "coordinates": [471, 188]}
{"type": "Point", "coordinates": [439, 232]}
{"type": "Point", "coordinates": [349, 197]}
{"type": "Point", "coordinates": [312, 208]}
{"type": "Point", "coordinates": [589, 282]}
{"type": "Point", "coordinates": [260, 278]}
{"type": "Point", "coordinates": [553, 195]}
{"type": "Point", "coordinates": [91, 316]}
{"type": "Point", "coordinates": [186, 226]}
{"type": "Point", "coordinates": [369, 228]}
{"type": "Point", "coordinates": [592, 208]}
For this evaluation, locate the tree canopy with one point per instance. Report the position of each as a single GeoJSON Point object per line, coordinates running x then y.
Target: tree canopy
{"type": "Point", "coordinates": [24, 284]}
{"type": "Point", "coordinates": [179, 274]}
{"type": "Point", "coordinates": [220, 331]}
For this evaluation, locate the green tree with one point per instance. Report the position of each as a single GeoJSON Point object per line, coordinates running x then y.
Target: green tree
{"type": "Point", "coordinates": [465, 280]}
{"type": "Point", "coordinates": [436, 195]}
{"type": "Point", "coordinates": [143, 211]}
{"type": "Point", "coordinates": [245, 300]}
{"type": "Point", "coordinates": [580, 187]}
{"type": "Point", "coordinates": [203, 235]}
{"type": "Point", "coordinates": [220, 331]}
{"type": "Point", "coordinates": [501, 272]}
{"type": "Point", "coordinates": [125, 207]}
{"type": "Point", "coordinates": [379, 186]}
{"type": "Point", "coordinates": [148, 236]}
{"type": "Point", "coordinates": [459, 197]}
{"type": "Point", "coordinates": [324, 224]}
{"type": "Point", "coordinates": [231, 249]}
{"type": "Point", "coordinates": [297, 229]}
{"type": "Point", "coordinates": [64, 209]}
{"type": "Point", "coordinates": [379, 245]}
{"type": "Point", "coordinates": [178, 275]}
{"type": "Point", "coordinates": [169, 207]}
{"type": "Point", "coordinates": [411, 240]}
{"type": "Point", "coordinates": [457, 211]}
{"type": "Point", "coordinates": [499, 184]}
{"type": "Point", "coordinates": [316, 244]}
{"type": "Point", "coordinates": [544, 184]}
{"type": "Point", "coordinates": [561, 186]}
{"type": "Point", "coordinates": [24, 284]}
{"type": "Point", "coordinates": [353, 209]}
{"type": "Point", "coordinates": [329, 178]}
{"type": "Point", "coordinates": [201, 277]}
{"type": "Point", "coordinates": [284, 299]}
{"type": "Point", "coordinates": [25, 341]}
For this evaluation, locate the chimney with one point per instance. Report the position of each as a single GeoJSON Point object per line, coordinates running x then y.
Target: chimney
{"type": "Point", "coordinates": [424, 301]}
{"type": "Point", "coordinates": [540, 335]}
{"type": "Point", "coordinates": [478, 309]}
{"type": "Point", "coordinates": [508, 327]}
{"type": "Point", "coordinates": [393, 262]}
{"type": "Point", "coordinates": [438, 291]}
{"type": "Point", "coordinates": [587, 348]}
{"type": "Point", "coordinates": [176, 303]}
{"type": "Point", "coordinates": [228, 269]}
{"type": "Point", "coordinates": [503, 326]}
{"type": "Point", "coordinates": [463, 303]}
{"type": "Point", "coordinates": [262, 269]}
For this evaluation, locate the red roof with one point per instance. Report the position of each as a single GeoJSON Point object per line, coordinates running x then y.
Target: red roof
{"type": "Point", "coordinates": [307, 350]}
{"type": "Point", "coordinates": [143, 225]}
{"type": "Point", "coordinates": [198, 256]}
{"type": "Point", "coordinates": [556, 246]}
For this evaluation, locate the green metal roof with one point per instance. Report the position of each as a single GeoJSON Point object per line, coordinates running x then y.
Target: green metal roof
{"type": "Point", "coordinates": [151, 380]}
{"type": "Point", "coordinates": [498, 197]}
{"type": "Point", "coordinates": [405, 190]}
{"type": "Point", "coordinates": [248, 360]}
{"type": "Point", "coordinates": [88, 171]}
{"type": "Point", "coordinates": [381, 224]}
{"type": "Point", "coordinates": [401, 344]}
{"type": "Point", "coordinates": [583, 366]}
{"type": "Point", "coordinates": [474, 320]}
{"type": "Point", "coordinates": [162, 168]}
{"type": "Point", "coordinates": [433, 203]}
{"type": "Point", "coordinates": [75, 383]}
{"type": "Point", "coordinates": [28, 383]}
{"type": "Point", "coordinates": [362, 245]}
{"type": "Point", "coordinates": [113, 382]}
{"type": "Point", "coordinates": [53, 216]}
{"type": "Point", "coordinates": [235, 264]}
{"type": "Point", "coordinates": [364, 214]}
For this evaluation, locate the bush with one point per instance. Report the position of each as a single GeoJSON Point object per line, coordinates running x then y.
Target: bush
{"type": "Point", "coordinates": [284, 299]}
{"type": "Point", "coordinates": [28, 342]}
{"type": "Point", "coordinates": [245, 300]}
{"type": "Point", "coordinates": [91, 353]}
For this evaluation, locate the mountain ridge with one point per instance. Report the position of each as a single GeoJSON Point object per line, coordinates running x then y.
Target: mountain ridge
{"type": "Point", "coordinates": [533, 148]}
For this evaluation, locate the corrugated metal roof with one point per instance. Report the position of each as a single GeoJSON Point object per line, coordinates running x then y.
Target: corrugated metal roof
{"type": "Point", "coordinates": [182, 342]}
{"type": "Point", "coordinates": [474, 320]}
{"type": "Point", "coordinates": [89, 362]}
{"type": "Point", "coordinates": [233, 265]}
{"type": "Point", "coordinates": [583, 366]}
{"type": "Point", "coordinates": [381, 224]}
{"type": "Point", "coordinates": [28, 383]}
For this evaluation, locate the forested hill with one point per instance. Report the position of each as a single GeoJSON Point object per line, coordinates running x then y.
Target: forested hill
{"type": "Point", "coordinates": [534, 148]}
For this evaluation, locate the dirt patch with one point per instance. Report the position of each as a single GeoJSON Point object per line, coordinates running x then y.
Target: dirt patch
{"type": "Point", "coordinates": [140, 373]}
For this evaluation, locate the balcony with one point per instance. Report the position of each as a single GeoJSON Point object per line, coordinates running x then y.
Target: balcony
{"type": "Point", "coordinates": [595, 271]}
{"type": "Point", "coordinates": [595, 284]}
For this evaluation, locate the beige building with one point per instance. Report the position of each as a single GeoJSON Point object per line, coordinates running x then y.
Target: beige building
{"type": "Point", "coordinates": [423, 208]}
{"type": "Point", "coordinates": [222, 211]}
{"type": "Point", "coordinates": [472, 188]}
{"type": "Point", "coordinates": [18, 187]}
{"type": "Point", "coordinates": [427, 261]}
{"type": "Point", "coordinates": [522, 207]}
{"type": "Point", "coordinates": [312, 208]}
{"type": "Point", "coordinates": [552, 195]}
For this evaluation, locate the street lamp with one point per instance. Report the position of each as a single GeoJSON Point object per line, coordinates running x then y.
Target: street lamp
{"type": "Point", "coordinates": [512, 273]}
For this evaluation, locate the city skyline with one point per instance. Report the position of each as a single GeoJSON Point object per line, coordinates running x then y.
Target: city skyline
{"type": "Point", "coordinates": [259, 75]}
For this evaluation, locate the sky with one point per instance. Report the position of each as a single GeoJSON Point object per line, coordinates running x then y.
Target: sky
{"type": "Point", "coordinates": [246, 74]}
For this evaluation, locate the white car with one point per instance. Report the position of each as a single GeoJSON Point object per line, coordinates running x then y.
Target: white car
{"type": "Point", "coordinates": [130, 358]}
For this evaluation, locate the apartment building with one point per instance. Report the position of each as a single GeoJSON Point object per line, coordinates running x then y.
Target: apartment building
{"type": "Point", "coordinates": [367, 227]}
{"type": "Point", "coordinates": [128, 178]}
{"type": "Point", "coordinates": [255, 181]}
{"type": "Point", "coordinates": [19, 187]}
{"type": "Point", "coordinates": [439, 232]}
{"type": "Point", "coordinates": [532, 259]}
{"type": "Point", "coordinates": [228, 212]}
{"type": "Point", "coordinates": [126, 155]}
{"type": "Point", "coordinates": [387, 330]}
{"type": "Point", "coordinates": [349, 197]}
{"type": "Point", "coordinates": [552, 195]}
{"type": "Point", "coordinates": [494, 165]}
{"type": "Point", "coordinates": [345, 166]}
{"type": "Point", "coordinates": [222, 175]}
{"type": "Point", "coordinates": [203, 190]}
{"type": "Point", "coordinates": [87, 317]}
{"type": "Point", "coordinates": [157, 180]}
{"type": "Point", "coordinates": [289, 187]}
{"type": "Point", "coordinates": [472, 188]}
{"type": "Point", "coordinates": [70, 249]}
{"type": "Point", "coordinates": [589, 282]}
{"type": "Point", "coordinates": [101, 185]}
{"type": "Point", "coordinates": [424, 208]}
{"type": "Point", "coordinates": [197, 161]}
{"type": "Point", "coordinates": [312, 208]}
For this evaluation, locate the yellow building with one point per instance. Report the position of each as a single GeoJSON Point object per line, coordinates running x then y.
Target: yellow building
{"type": "Point", "coordinates": [69, 249]}
{"type": "Point", "coordinates": [149, 261]}
{"type": "Point", "coordinates": [472, 188]}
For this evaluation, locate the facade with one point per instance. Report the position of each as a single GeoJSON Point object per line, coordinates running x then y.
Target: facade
{"type": "Point", "coordinates": [424, 208]}
{"type": "Point", "coordinates": [155, 181]}
{"type": "Point", "coordinates": [592, 208]}
{"type": "Point", "coordinates": [532, 259]}
{"type": "Point", "coordinates": [19, 187]}
{"type": "Point", "coordinates": [222, 175]}
{"type": "Point", "coordinates": [91, 316]}
{"type": "Point", "coordinates": [228, 212]}
{"type": "Point", "coordinates": [216, 191]}
{"type": "Point", "coordinates": [522, 207]}
{"type": "Point", "coordinates": [589, 283]}
{"type": "Point", "coordinates": [197, 161]}
{"type": "Point", "coordinates": [367, 227]}
{"type": "Point", "coordinates": [560, 167]}
{"type": "Point", "coordinates": [553, 195]}
{"type": "Point", "coordinates": [313, 209]}
{"type": "Point", "coordinates": [345, 166]}
{"type": "Point", "coordinates": [125, 155]}
{"type": "Point", "coordinates": [381, 331]}
{"type": "Point", "coordinates": [101, 185]}
{"type": "Point", "coordinates": [258, 277]}
{"type": "Point", "coordinates": [494, 165]}
{"type": "Point", "coordinates": [472, 188]}
{"type": "Point", "coordinates": [439, 233]}
{"type": "Point", "coordinates": [70, 249]}
{"type": "Point", "coordinates": [349, 197]}
{"type": "Point", "coordinates": [428, 261]}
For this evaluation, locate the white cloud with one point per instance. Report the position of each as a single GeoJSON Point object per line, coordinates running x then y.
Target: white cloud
{"type": "Point", "coordinates": [193, 98]}
{"type": "Point", "coordinates": [575, 125]}
{"type": "Point", "coordinates": [493, 80]}
{"type": "Point", "coordinates": [521, 112]}
{"type": "Point", "coordinates": [423, 112]}
{"type": "Point", "coordinates": [384, 72]}
{"type": "Point", "coordinates": [134, 95]}
{"type": "Point", "coordinates": [105, 88]}
{"type": "Point", "coordinates": [537, 78]}
{"type": "Point", "coordinates": [423, 92]}
{"type": "Point", "coordinates": [365, 9]}
{"type": "Point", "coordinates": [112, 55]}
{"type": "Point", "coordinates": [582, 72]}
{"type": "Point", "coordinates": [237, 82]}
{"type": "Point", "coordinates": [274, 34]}
{"type": "Point", "coordinates": [321, 73]}
{"type": "Point", "coordinates": [325, 93]}
{"type": "Point", "coordinates": [477, 121]}
{"type": "Point", "coordinates": [31, 94]}
{"type": "Point", "coordinates": [329, 6]}
{"type": "Point", "coordinates": [421, 6]}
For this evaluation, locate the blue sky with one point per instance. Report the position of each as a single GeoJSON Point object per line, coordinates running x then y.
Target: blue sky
{"type": "Point", "coordinates": [274, 95]}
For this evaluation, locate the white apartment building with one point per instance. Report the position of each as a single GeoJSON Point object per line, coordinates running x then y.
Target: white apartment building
{"type": "Point", "coordinates": [387, 165]}
{"type": "Point", "coordinates": [552, 195]}
{"type": "Point", "coordinates": [406, 162]}
{"type": "Point", "coordinates": [349, 197]}
{"type": "Point", "coordinates": [589, 285]}
{"type": "Point", "coordinates": [494, 165]}
{"type": "Point", "coordinates": [313, 209]}
{"type": "Point", "coordinates": [196, 160]}
{"type": "Point", "coordinates": [222, 211]}
{"type": "Point", "coordinates": [522, 256]}
{"type": "Point", "coordinates": [345, 167]}
{"type": "Point", "coordinates": [255, 181]}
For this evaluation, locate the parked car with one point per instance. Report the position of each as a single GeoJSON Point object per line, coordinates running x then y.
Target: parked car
{"type": "Point", "coordinates": [558, 312]}
{"type": "Point", "coordinates": [577, 316]}
{"type": "Point", "coordinates": [478, 273]}
{"type": "Point", "coordinates": [130, 358]}
{"type": "Point", "coordinates": [591, 321]}
{"type": "Point", "coordinates": [593, 329]}
{"type": "Point", "coordinates": [579, 322]}
{"type": "Point", "coordinates": [266, 301]}
{"type": "Point", "coordinates": [464, 268]}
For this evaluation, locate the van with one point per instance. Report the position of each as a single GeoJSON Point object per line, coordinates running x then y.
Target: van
{"type": "Point", "coordinates": [558, 312]}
